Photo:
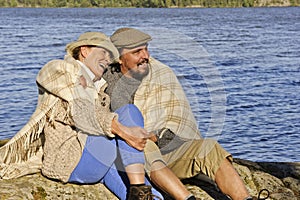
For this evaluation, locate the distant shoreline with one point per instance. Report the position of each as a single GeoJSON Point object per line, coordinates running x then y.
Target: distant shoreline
{"type": "Point", "coordinates": [261, 5]}
{"type": "Point", "coordinates": [192, 6]}
{"type": "Point", "coordinates": [149, 4]}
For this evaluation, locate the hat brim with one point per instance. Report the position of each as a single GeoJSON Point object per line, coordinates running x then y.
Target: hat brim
{"type": "Point", "coordinates": [129, 38]}
{"type": "Point", "coordinates": [105, 44]}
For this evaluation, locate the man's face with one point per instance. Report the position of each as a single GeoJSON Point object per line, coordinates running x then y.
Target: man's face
{"type": "Point", "coordinates": [97, 60]}
{"type": "Point", "coordinates": [135, 62]}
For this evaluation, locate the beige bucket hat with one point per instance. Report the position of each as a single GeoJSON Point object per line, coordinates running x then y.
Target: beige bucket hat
{"type": "Point", "coordinates": [93, 39]}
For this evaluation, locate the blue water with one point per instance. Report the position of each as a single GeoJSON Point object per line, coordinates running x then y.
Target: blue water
{"type": "Point", "coordinates": [239, 67]}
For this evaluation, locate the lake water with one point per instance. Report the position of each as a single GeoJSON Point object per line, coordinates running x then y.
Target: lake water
{"type": "Point", "coordinates": [239, 67]}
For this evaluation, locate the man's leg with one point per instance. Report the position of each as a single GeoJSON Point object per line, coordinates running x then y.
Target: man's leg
{"type": "Point", "coordinates": [229, 181]}
{"type": "Point", "coordinates": [166, 180]}
{"type": "Point", "coordinates": [161, 175]}
{"type": "Point", "coordinates": [208, 157]}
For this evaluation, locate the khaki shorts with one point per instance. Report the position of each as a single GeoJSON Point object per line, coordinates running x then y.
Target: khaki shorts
{"type": "Point", "coordinates": [191, 158]}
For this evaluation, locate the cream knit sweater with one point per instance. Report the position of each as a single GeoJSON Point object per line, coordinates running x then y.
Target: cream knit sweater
{"type": "Point", "coordinates": [54, 137]}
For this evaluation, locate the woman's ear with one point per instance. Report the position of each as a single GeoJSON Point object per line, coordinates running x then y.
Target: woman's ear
{"type": "Point", "coordinates": [84, 51]}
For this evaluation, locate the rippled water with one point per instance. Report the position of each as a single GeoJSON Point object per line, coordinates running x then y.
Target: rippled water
{"type": "Point", "coordinates": [239, 67]}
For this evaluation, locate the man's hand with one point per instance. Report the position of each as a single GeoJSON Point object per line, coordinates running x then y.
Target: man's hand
{"type": "Point", "coordinates": [153, 137]}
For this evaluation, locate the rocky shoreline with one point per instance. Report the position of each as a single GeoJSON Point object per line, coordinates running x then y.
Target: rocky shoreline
{"type": "Point", "coordinates": [280, 178]}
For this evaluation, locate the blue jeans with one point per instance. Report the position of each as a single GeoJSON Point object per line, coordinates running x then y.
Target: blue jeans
{"type": "Point", "coordinates": [97, 163]}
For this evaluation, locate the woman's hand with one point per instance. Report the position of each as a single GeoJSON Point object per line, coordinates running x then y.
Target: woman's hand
{"type": "Point", "coordinates": [134, 136]}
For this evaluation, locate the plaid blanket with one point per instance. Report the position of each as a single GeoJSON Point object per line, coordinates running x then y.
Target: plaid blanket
{"type": "Point", "coordinates": [163, 103]}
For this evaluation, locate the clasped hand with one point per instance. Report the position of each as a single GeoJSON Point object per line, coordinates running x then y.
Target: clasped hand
{"type": "Point", "coordinates": [137, 137]}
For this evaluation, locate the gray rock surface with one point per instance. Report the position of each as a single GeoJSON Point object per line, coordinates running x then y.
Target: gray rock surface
{"type": "Point", "coordinates": [281, 179]}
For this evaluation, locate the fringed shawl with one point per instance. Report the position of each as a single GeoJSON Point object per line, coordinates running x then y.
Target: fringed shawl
{"type": "Point", "coordinates": [57, 80]}
{"type": "Point", "coordinates": [163, 103]}
{"type": "Point", "coordinates": [23, 153]}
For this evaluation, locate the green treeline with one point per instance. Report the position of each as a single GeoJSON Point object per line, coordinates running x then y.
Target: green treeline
{"type": "Point", "coordinates": [147, 3]}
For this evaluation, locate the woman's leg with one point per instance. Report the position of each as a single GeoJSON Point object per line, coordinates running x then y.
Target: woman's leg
{"type": "Point", "coordinates": [98, 156]}
{"type": "Point", "coordinates": [132, 159]}
{"type": "Point", "coordinates": [117, 183]}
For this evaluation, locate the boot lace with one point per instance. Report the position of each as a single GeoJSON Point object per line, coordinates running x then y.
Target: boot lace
{"type": "Point", "coordinates": [148, 196]}
{"type": "Point", "coordinates": [265, 191]}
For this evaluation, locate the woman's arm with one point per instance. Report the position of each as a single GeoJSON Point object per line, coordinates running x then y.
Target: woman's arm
{"type": "Point", "coordinates": [134, 136]}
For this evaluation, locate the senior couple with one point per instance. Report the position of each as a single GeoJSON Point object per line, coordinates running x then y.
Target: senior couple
{"type": "Point", "coordinates": [111, 113]}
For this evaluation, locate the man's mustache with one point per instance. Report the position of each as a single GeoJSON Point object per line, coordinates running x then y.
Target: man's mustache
{"type": "Point", "coordinates": [145, 60]}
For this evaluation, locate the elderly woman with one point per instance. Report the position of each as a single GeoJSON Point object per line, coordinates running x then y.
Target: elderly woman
{"type": "Point", "coordinates": [72, 136]}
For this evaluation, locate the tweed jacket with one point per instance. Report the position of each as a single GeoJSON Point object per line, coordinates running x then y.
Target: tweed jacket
{"type": "Point", "coordinates": [67, 111]}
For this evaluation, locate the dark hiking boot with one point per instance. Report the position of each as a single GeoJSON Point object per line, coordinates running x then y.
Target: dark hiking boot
{"type": "Point", "coordinates": [141, 193]}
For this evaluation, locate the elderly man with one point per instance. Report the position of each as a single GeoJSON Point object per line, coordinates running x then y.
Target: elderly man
{"type": "Point", "coordinates": [153, 87]}
{"type": "Point", "coordinates": [72, 136]}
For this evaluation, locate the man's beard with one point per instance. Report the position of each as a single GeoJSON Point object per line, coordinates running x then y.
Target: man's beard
{"type": "Point", "coordinates": [140, 75]}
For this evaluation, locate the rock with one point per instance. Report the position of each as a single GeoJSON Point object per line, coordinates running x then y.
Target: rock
{"type": "Point", "coordinates": [37, 187]}
{"type": "Point", "coordinates": [281, 179]}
